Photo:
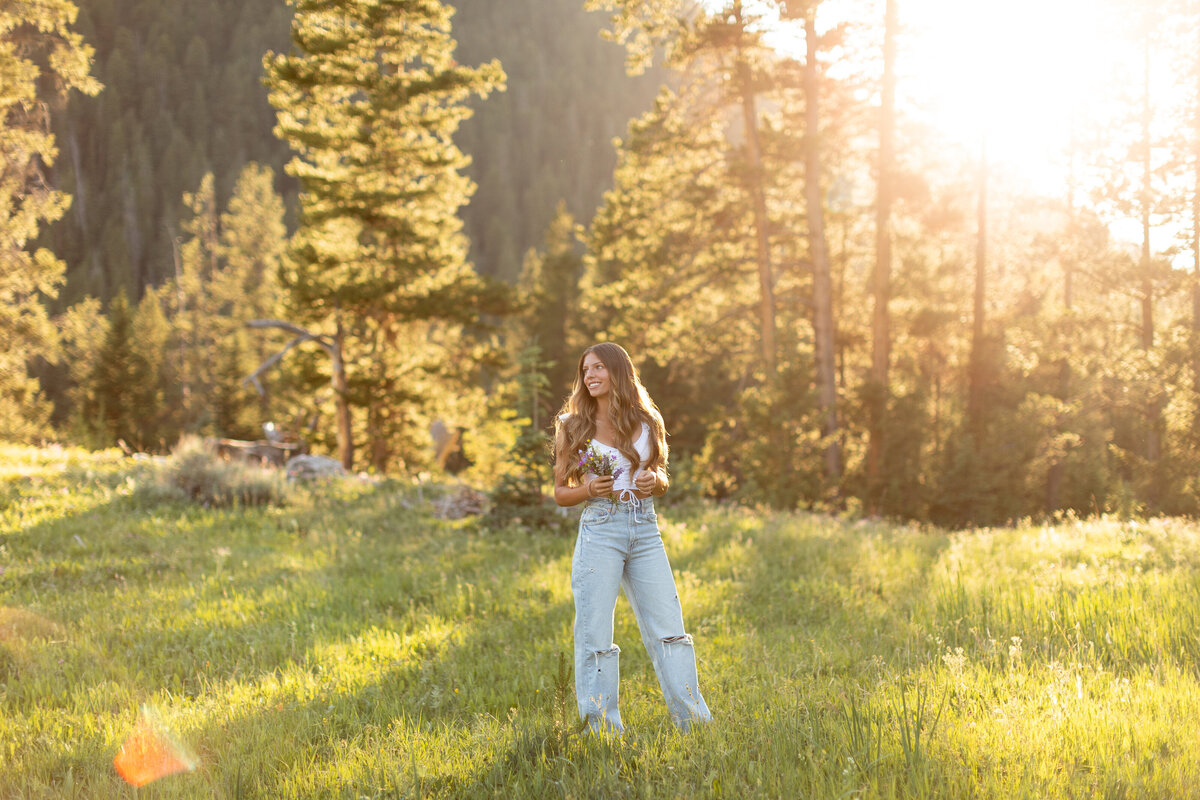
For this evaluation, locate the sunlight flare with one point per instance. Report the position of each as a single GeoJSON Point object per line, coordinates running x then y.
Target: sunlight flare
{"type": "Point", "coordinates": [152, 752]}
{"type": "Point", "coordinates": [1025, 75]}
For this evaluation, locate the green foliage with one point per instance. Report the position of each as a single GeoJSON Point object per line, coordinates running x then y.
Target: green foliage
{"type": "Point", "coordinates": [783, 468]}
{"type": "Point", "coordinates": [544, 336]}
{"type": "Point", "coordinates": [1055, 405]}
{"type": "Point", "coordinates": [83, 328]}
{"type": "Point", "coordinates": [545, 145]}
{"type": "Point", "coordinates": [1089, 401]}
{"type": "Point", "coordinates": [194, 472]}
{"type": "Point", "coordinates": [42, 58]}
{"type": "Point", "coordinates": [116, 403]}
{"type": "Point", "coordinates": [370, 100]}
{"type": "Point", "coordinates": [677, 273]}
{"type": "Point", "coordinates": [130, 393]}
{"type": "Point", "coordinates": [229, 265]}
{"type": "Point", "coordinates": [547, 312]}
{"type": "Point", "coordinates": [669, 270]}
{"type": "Point", "coordinates": [156, 383]}
{"type": "Point", "coordinates": [183, 97]}
{"type": "Point", "coordinates": [237, 412]}
{"type": "Point", "coordinates": [177, 362]}
{"type": "Point", "coordinates": [518, 497]}
{"type": "Point", "coordinates": [354, 639]}
{"type": "Point", "coordinates": [24, 410]}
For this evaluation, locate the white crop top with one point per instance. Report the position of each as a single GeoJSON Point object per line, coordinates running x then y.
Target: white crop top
{"type": "Point", "coordinates": [642, 446]}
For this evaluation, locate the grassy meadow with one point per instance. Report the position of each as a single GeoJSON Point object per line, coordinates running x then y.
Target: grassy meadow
{"type": "Point", "coordinates": [351, 644]}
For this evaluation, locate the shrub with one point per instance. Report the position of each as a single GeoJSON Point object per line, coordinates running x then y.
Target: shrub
{"type": "Point", "coordinates": [194, 472]}
{"type": "Point", "coordinates": [515, 502]}
{"type": "Point", "coordinates": [517, 498]}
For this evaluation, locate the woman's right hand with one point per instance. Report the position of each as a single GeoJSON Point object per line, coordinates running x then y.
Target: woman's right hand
{"type": "Point", "coordinates": [600, 486]}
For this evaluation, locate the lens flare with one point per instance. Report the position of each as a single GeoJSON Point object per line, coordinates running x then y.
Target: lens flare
{"type": "Point", "coordinates": [152, 752]}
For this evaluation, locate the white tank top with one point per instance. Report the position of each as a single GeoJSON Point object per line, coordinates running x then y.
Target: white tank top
{"type": "Point", "coordinates": [642, 446]}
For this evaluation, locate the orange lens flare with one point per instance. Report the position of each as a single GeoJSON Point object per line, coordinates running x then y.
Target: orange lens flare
{"type": "Point", "coordinates": [151, 752]}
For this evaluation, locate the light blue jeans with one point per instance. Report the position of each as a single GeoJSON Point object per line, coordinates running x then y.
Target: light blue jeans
{"type": "Point", "coordinates": [619, 545]}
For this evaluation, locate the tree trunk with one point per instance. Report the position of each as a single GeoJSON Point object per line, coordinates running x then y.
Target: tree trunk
{"type": "Point", "coordinates": [1196, 260]}
{"type": "Point", "coordinates": [1054, 477]}
{"type": "Point", "coordinates": [881, 341]}
{"type": "Point", "coordinates": [823, 331]}
{"type": "Point", "coordinates": [345, 441]}
{"type": "Point", "coordinates": [976, 372]}
{"type": "Point", "coordinates": [381, 452]}
{"type": "Point", "coordinates": [1153, 445]}
{"type": "Point", "coordinates": [762, 240]}
{"type": "Point", "coordinates": [1058, 469]}
{"type": "Point", "coordinates": [379, 407]}
{"type": "Point", "coordinates": [181, 299]}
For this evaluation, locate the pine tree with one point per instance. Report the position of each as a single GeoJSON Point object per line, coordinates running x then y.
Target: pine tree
{"type": "Point", "coordinates": [818, 248]}
{"type": "Point", "coordinates": [879, 385]}
{"type": "Point", "coordinates": [41, 60]}
{"type": "Point", "coordinates": [369, 100]}
{"type": "Point", "coordinates": [713, 238]}
{"type": "Point", "coordinates": [154, 390]}
{"type": "Point", "coordinates": [518, 497]}
{"type": "Point", "coordinates": [196, 308]}
{"type": "Point", "coordinates": [549, 294]}
{"type": "Point", "coordinates": [723, 46]}
{"type": "Point", "coordinates": [82, 331]}
{"type": "Point", "coordinates": [129, 157]}
{"type": "Point", "coordinates": [116, 374]}
{"type": "Point", "coordinates": [228, 275]}
{"type": "Point", "coordinates": [252, 240]}
{"type": "Point", "coordinates": [670, 271]}
{"type": "Point", "coordinates": [1136, 172]}
{"type": "Point", "coordinates": [183, 97]}
{"type": "Point", "coordinates": [126, 372]}
{"type": "Point", "coordinates": [235, 411]}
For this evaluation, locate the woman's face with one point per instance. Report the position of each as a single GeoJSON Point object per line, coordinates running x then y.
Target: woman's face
{"type": "Point", "coordinates": [595, 376]}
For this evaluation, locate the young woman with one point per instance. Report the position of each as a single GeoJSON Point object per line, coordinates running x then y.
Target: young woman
{"type": "Point", "coordinates": [619, 544]}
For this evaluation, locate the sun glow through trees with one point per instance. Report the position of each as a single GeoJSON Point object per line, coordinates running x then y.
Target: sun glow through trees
{"type": "Point", "coordinates": [1036, 79]}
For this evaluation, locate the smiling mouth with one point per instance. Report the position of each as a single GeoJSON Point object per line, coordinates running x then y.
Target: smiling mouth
{"type": "Point", "coordinates": [595, 385]}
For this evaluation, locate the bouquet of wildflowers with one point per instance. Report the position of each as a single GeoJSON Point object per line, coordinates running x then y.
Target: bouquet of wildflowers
{"type": "Point", "coordinates": [602, 464]}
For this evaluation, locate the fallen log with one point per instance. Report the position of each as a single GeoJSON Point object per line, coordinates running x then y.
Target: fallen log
{"type": "Point", "coordinates": [262, 452]}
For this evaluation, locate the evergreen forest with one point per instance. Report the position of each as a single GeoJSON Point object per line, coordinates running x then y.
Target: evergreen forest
{"type": "Point", "coordinates": [845, 286]}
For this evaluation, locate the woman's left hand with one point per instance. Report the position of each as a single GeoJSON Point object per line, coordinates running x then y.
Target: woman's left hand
{"type": "Point", "coordinates": [646, 481]}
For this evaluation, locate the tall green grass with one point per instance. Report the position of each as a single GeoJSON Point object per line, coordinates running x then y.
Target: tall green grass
{"type": "Point", "coordinates": [350, 644]}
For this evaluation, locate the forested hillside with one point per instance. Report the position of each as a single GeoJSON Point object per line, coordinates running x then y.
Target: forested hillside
{"type": "Point", "coordinates": [963, 289]}
{"type": "Point", "coordinates": [184, 96]}
{"type": "Point", "coordinates": [549, 137]}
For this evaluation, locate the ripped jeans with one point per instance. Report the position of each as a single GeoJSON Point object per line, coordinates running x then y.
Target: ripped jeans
{"type": "Point", "coordinates": [619, 545]}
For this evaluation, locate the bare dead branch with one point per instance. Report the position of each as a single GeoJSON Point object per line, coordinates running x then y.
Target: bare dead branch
{"type": "Point", "coordinates": [302, 336]}
{"type": "Point", "coordinates": [270, 362]}
{"type": "Point", "coordinates": [290, 327]}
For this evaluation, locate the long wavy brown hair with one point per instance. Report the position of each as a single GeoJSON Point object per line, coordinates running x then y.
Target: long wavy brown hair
{"type": "Point", "coordinates": [629, 405]}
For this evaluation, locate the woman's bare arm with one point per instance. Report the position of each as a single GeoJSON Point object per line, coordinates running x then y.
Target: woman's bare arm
{"type": "Point", "coordinates": [598, 486]}
{"type": "Point", "coordinates": [566, 495]}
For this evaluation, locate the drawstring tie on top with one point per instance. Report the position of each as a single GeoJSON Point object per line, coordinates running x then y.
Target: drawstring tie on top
{"type": "Point", "coordinates": [627, 496]}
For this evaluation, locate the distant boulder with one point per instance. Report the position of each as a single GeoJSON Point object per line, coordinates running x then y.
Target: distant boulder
{"type": "Point", "coordinates": [305, 467]}
{"type": "Point", "coordinates": [464, 502]}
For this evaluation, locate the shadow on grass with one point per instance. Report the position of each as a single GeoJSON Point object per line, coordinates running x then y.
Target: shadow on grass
{"type": "Point", "coordinates": [487, 596]}
{"type": "Point", "coordinates": [480, 670]}
{"type": "Point", "coordinates": [809, 592]}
